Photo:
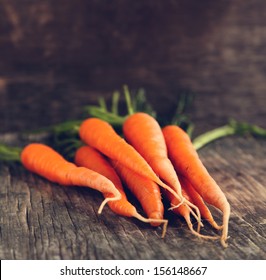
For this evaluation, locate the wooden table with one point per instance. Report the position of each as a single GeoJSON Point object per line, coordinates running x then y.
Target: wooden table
{"type": "Point", "coordinates": [56, 58]}
{"type": "Point", "coordinates": [42, 220]}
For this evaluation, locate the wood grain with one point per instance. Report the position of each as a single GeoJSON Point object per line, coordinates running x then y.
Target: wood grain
{"type": "Point", "coordinates": [41, 220]}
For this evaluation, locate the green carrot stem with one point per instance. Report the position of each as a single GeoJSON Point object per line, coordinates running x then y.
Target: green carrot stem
{"type": "Point", "coordinates": [111, 118]}
{"type": "Point", "coordinates": [102, 103]}
{"type": "Point", "coordinates": [115, 101]}
{"type": "Point", "coordinates": [190, 129]}
{"type": "Point", "coordinates": [9, 154]}
{"type": "Point", "coordinates": [232, 128]}
{"type": "Point", "coordinates": [128, 100]}
{"type": "Point", "coordinates": [212, 135]}
{"type": "Point", "coordinates": [247, 128]}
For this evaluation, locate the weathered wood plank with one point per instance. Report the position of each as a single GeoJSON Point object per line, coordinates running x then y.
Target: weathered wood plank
{"type": "Point", "coordinates": [41, 220]}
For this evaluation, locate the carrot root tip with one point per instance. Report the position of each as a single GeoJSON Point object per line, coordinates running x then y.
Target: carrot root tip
{"type": "Point", "coordinates": [190, 226]}
{"type": "Point", "coordinates": [175, 206]}
{"type": "Point", "coordinates": [151, 220]}
{"type": "Point", "coordinates": [203, 236]}
{"type": "Point", "coordinates": [196, 215]}
{"type": "Point", "coordinates": [106, 200]}
{"type": "Point", "coordinates": [216, 226]}
{"type": "Point", "coordinates": [224, 241]}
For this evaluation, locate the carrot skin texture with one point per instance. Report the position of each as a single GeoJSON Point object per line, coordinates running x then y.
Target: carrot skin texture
{"type": "Point", "coordinates": [46, 162]}
{"type": "Point", "coordinates": [187, 162]}
{"type": "Point", "coordinates": [145, 190]}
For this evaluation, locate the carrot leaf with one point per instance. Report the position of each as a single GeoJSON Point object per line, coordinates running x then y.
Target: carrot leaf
{"type": "Point", "coordinates": [130, 109]}
{"type": "Point", "coordinates": [232, 128]}
{"type": "Point", "coordinates": [115, 102]}
{"type": "Point", "coordinates": [133, 102]}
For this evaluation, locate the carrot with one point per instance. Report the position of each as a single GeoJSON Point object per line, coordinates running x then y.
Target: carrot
{"type": "Point", "coordinates": [90, 158]}
{"type": "Point", "coordinates": [101, 136]}
{"type": "Point", "coordinates": [144, 133]}
{"type": "Point", "coordinates": [186, 160]}
{"type": "Point", "coordinates": [196, 199]}
{"type": "Point", "coordinates": [46, 162]}
{"type": "Point", "coordinates": [145, 190]}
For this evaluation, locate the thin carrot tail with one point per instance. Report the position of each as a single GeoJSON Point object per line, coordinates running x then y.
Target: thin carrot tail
{"type": "Point", "coordinates": [182, 200]}
{"type": "Point", "coordinates": [173, 192]}
{"type": "Point", "coordinates": [214, 224]}
{"type": "Point", "coordinates": [176, 206]}
{"type": "Point", "coordinates": [190, 206]}
{"type": "Point", "coordinates": [226, 217]}
{"type": "Point", "coordinates": [197, 216]}
{"type": "Point", "coordinates": [151, 220]}
{"type": "Point", "coordinates": [190, 226]}
{"type": "Point", "coordinates": [106, 200]}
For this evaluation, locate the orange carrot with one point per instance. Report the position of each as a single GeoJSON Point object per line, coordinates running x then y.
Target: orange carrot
{"type": "Point", "coordinates": [187, 162]}
{"type": "Point", "coordinates": [145, 190]}
{"type": "Point", "coordinates": [196, 199]}
{"type": "Point", "coordinates": [90, 158]}
{"type": "Point", "coordinates": [144, 133]}
{"type": "Point", "coordinates": [101, 136]}
{"type": "Point", "coordinates": [46, 162]}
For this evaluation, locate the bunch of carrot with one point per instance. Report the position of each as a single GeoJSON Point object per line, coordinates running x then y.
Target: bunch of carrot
{"type": "Point", "coordinates": [149, 161]}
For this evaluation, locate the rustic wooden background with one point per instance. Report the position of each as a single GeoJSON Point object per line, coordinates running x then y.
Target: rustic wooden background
{"type": "Point", "coordinates": [57, 56]}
